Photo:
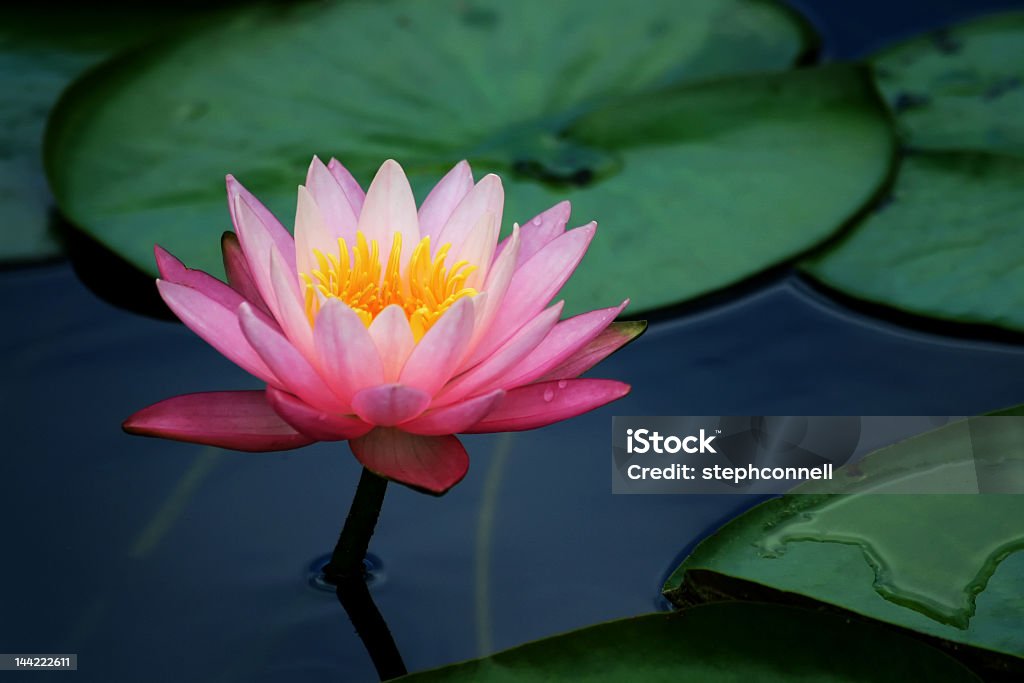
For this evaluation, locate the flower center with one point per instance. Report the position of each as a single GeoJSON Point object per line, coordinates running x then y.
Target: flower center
{"type": "Point", "coordinates": [424, 291]}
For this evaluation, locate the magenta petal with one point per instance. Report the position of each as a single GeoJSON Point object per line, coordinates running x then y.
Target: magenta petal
{"type": "Point", "coordinates": [610, 340]}
{"type": "Point", "coordinates": [495, 288]}
{"type": "Point", "coordinates": [173, 270]}
{"type": "Point", "coordinates": [533, 285]}
{"type": "Point", "coordinates": [565, 340]}
{"type": "Point", "coordinates": [437, 208]}
{"type": "Point", "coordinates": [539, 231]}
{"type": "Point", "coordinates": [432, 464]}
{"type": "Point", "coordinates": [489, 374]}
{"type": "Point", "coordinates": [291, 309]}
{"type": "Point", "coordinates": [277, 233]}
{"type": "Point", "coordinates": [312, 422]}
{"type": "Point", "coordinates": [296, 374]}
{"type": "Point", "coordinates": [259, 245]}
{"type": "Point", "coordinates": [238, 272]}
{"type": "Point", "coordinates": [544, 403]}
{"type": "Point", "coordinates": [215, 324]}
{"type": "Point", "coordinates": [239, 420]}
{"type": "Point", "coordinates": [454, 418]}
{"type": "Point", "coordinates": [389, 404]}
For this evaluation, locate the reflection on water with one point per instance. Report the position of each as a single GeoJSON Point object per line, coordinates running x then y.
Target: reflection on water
{"type": "Point", "coordinates": [156, 560]}
{"type": "Point", "coordinates": [354, 596]}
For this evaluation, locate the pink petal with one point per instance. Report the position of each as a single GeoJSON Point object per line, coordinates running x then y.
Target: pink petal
{"type": "Point", "coordinates": [537, 405]}
{"type": "Point", "coordinates": [237, 269]}
{"type": "Point", "coordinates": [173, 270]}
{"type": "Point", "coordinates": [239, 420]}
{"type": "Point", "coordinates": [495, 288]}
{"type": "Point", "coordinates": [429, 463]}
{"type": "Point", "coordinates": [387, 405]}
{"type": "Point", "coordinates": [278, 234]}
{"type": "Point", "coordinates": [296, 374]}
{"type": "Point", "coordinates": [348, 185]}
{"type": "Point", "coordinates": [312, 422]}
{"type": "Point", "coordinates": [291, 307]}
{"type": "Point", "coordinates": [487, 197]}
{"type": "Point", "coordinates": [567, 338]}
{"type": "Point", "coordinates": [389, 208]}
{"type": "Point", "coordinates": [338, 213]}
{"type": "Point", "coordinates": [540, 230]}
{"type": "Point", "coordinates": [610, 340]}
{"type": "Point", "coordinates": [394, 340]}
{"type": "Point", "coordinates": [260, 234]}
{"type": "Point", "coordinates": [345, 351]}
{"type": "Point", "coordinates": [454, 418]}
{"type": "Point", "coordinates": [438, 206]}
{"type": "Point", "coordinates": [437, 355]}
{"type": "Point", "coordinates": [479, 308]}
{"type": "Point", "coordinates": [311, 232]}
{"type": "Point", "coordinates": [489, 374]}
{"type": "Point", "coordinates": [533, 285]}
{"type": "Point", "coordinates": [478, 249]}
{"type": "Point", "coordinates": [215, 324]}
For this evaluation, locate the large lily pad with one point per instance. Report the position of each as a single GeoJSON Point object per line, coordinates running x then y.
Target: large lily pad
{"type": "Point", "coordinates": [41, 51]}
{"type": "Point", "coordinates": [38, 58]}
{"type": "Point", "coordinates": [949, 244]}
{"type": "Point", "coordinates": [941, 564]}
{"type": "Point", "coordinates": [137, 151]}
{"type": "Point", "coordinates": [715, 644]}
{"type": "Point", "coordinates": [959, 88]}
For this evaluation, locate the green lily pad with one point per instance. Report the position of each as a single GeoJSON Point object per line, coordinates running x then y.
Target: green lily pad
{"type": "Point", "coordinates": [138, 150]}
{"type": "Point", "coordinates": [942, 564]}
{"type": "Point", "coordinates": [960, 88]}
{"type": "Point", "coordinates": [41, 52]}
{"type": "Point", "coordinates": [947, 245]}
{"type": "Point", "coordinates": [37, 60]}
{"type": "Point", "coordinates": [716, 644]}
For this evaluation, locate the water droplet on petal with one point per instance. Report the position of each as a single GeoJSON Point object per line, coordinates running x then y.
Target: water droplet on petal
{"type": "Point", "coordinates": [537, 220]}
{"type": "Point", "coordinates": [549, 394]}
{"type": "Point", "coordinates": [562, 384]}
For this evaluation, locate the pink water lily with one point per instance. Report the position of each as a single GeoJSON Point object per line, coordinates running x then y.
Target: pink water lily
{"type": "Point", "coordinates": [388, 326]}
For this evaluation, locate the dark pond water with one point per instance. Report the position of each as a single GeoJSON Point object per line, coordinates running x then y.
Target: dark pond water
{"type": "Point", "coordinates": [161, 561]}
{"type": "Point", "coordinates": [851, 30]}
{"type": "Point", "coordinates": [157, 561]}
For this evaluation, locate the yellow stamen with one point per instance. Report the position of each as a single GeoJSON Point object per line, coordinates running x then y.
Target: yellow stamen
{"type": "Point", "coordinates": [425, 291]}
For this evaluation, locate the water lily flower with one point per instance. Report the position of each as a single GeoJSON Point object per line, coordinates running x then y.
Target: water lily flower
{"type": "Point", "coordinates": [387, 326]}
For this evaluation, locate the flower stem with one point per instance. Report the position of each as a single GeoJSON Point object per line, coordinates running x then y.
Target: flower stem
{"type": "Point", "coordinates": [347, 558]}
{"type": "Point", "coordinates": [354, 596]}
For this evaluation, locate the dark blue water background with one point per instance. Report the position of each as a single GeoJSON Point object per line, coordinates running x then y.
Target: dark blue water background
{"type": "Point", "coordinates": [161, 561]}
